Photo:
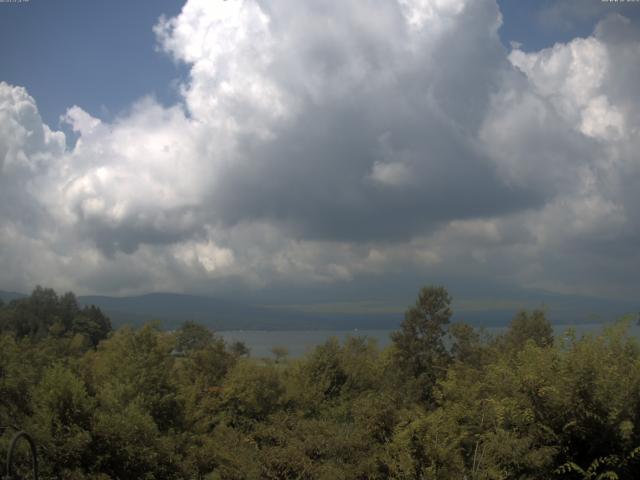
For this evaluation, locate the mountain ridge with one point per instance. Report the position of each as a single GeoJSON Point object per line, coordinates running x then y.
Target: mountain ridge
{"type": "Point", "coordinates": [172, 309]}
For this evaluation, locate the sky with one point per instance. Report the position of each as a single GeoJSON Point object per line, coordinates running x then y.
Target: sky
{"type": "Point", "coordinates": [320, 151]}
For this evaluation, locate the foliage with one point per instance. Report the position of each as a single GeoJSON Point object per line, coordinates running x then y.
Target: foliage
{"type": "Point", "coordinates": [45, 314]}
{"type": "Point", "coordinates": [420, 353]}
{"type": "Point", "coordinates": [143, 403]}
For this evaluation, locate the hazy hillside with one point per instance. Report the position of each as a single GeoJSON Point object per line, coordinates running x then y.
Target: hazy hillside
{"type": "Point", "coordinates": [8, 296]}
{"type": "Point", "coordinates": [173, 309]}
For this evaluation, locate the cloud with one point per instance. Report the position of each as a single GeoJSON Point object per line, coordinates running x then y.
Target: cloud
{"type": "Point", "coordinates": [328, 142]}
{"type": "Point", "coordinates": [325, 104]}
{"type": "Point", "coordinates": [29, 151]}
{"type": "Point", "coordinates": [80, 121]}
{"type": "Point", "coordinates": [138, 180]}
{"type": "Point", "coordinates": [581, 89]}
{"type": "Point", "coordinates": [395, 174]}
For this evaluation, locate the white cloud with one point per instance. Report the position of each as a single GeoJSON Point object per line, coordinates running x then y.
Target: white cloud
{"type": "Point", "coordinates": [396, 174]}
{"type": "Point", "coordinates": [573, 78]}
{"type": "Point", "coordinates": [204, 254]}
{"type": "Point", "coordinates": [395, 169]}
{"type": "Point", "coordinates": [27, 146]}
{"type": "Point", "coordinates": [569, 130]}
{"type": "Point", "coordinates": [80, 121]}
{"type": "Point", "coordinates": [323, 142]}
{"type": "Point", "coordinates": [138, 180]}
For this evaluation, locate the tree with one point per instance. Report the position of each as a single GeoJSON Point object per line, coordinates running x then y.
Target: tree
{"type": "Point", "coordinates": [92, 323]}
{"type": "Point", "coordinates": [466, 344]}
{"type": "Point", "coordinates": [62, 421]}
{"type": "Point", "coordinates": [45, 314]}
{"type": "Point", "coordinates": [251, 392]}
{"type": "Point", "coordinates": [134, 366]}
{"type": "Point", "coordinates": [193, 336]}
{"type": "Point", "coordinates": [322, 374]}
{"type": "Point", "coordinates": [280, 353]}
{"type": "Point", "coordinates": [239, 349]}
{"type": "Point", "coordinates": [529, 326]}
{"type": "Point", "coordinates": [420, 353]}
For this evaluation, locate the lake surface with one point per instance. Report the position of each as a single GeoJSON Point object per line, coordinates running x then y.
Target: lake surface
{"type": "Point", "coordinates": [299, 342]}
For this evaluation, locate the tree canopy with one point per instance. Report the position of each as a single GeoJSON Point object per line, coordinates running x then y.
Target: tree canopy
{"type": "Point", "coordinates": [441, 402]}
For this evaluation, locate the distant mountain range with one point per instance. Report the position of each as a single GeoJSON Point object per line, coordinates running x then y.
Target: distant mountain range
{"type": "Point", "coordinates": [171, 310]}
{"type": "Point", "coordinates": [8, 296]}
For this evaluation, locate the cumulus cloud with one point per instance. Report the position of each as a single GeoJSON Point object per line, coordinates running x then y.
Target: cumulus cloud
{"type": "Point", "coordinates": [29, 151]}
{"type": "Point", "coordinates": [327, 103]}
{"type": "Point", "coordinates": [582, 89]}
{"type": "Point", "coordinates": [323, 142]}
{"type": "Point", "coordinates": [138, 180]}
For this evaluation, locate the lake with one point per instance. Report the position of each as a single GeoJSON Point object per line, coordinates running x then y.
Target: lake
{"type": "Point", "coordinates": [299, 342]}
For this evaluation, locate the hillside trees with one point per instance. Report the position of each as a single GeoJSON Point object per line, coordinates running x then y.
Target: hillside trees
{"type": "Point", "coordinates": [45, 314]}
{"type": "Point", "coordinates": [62, 421]}
{"type": "Point", "coordinates": [419, 350]}
{"type": "Point", "coordinates": [151, 404]}
{"type": "Point", "coordinates": [526, 327]}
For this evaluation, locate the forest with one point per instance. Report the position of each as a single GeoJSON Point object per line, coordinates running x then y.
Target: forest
{"type": "Point", "coordinates": [443, 401]}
